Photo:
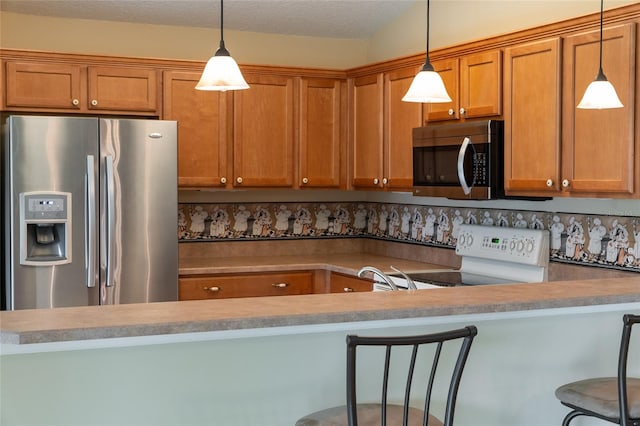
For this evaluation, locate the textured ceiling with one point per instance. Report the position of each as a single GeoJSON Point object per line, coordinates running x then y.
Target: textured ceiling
{"type": "Point", "coordinates": [318, 18]}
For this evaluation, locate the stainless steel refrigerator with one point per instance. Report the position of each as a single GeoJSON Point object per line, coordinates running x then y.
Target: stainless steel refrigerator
{"type": "Point", "coordinates": [89, 211]}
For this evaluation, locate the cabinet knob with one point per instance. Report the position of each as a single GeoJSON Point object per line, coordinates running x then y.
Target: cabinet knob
{"type": "Point", "coordinates": [305, 180]}
{"type": "Point", "coordinates": [75, 102]}
{"type": "Point", "coordinates": [347, 290]}
{"type": "Point", "coordinates": [239, 179]}
{"type": "Point", "coordinates": [280, 285]}
{"type": "Point", "coordinates": [376, 181]}
{"type": "Point", "coordinates": [549, 183]}
{"type": "Point", "coordinates": [463, 111]}
{"type": "Point", "coordinates": [94, 102]}
{"type": "Point", "coordinates": [223, 180]}
{"type": "Point", "coordinates": [385, 181]}
{"type": "Point", "coordinates": [565, 183]}
{"type": "Point", "coordinates": [212, 289]}
{"type": "Point", "coordinates": [451, 111]}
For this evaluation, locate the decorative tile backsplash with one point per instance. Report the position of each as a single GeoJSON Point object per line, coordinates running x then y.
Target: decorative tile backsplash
{"type": "Point", "coordinates": [594, 240]}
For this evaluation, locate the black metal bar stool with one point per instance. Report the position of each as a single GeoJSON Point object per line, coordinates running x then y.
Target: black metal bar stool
{"type": "Point", "coordinates": [383, 413]}
{"type": "Point", "coordinates": [614, 399]}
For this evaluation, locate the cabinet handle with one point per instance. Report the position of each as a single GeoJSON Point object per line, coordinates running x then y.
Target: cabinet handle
{"type": "Point", "coordinates": [347, 290]}
{"type": "Point", "coordinates": [549, 183]}
{"type": "Point", "coordinates": [94, 102]}
{"type": "Point", "coordinates": [223, 180]}
{"type": "Point", "coordinates": [376, 181]}
{"type": "Point", "coordinates": [385, 181]}
{"type": "Point", "coordinates": [280, 285]}
{"type": "Point", "coordinates": [451, 111]}
{"type": "Point", "coordinates": [305, 180]}
{"type": "Point", "coordinates": [239, 179]}
{"type": "Point", "coordinates": [212, 289]}
{"type": "Point", "coordinates": [75, 102]}
{"type": "Point", "coordinates": [463, 111]}
{"type": "Point", "coordinates": [565, 183]}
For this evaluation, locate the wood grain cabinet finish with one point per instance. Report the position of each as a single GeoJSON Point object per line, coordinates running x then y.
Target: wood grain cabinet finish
{"type": "Point", "coordinates": [203, 123]}
{"type": "Point", "coordinates": [244, 285]}
{"type": "Point", "coordinates": [474, 83]}
{"type": "Point", "coordinates": [264, 132]}
{"type": "Point", "coordinates": [79, 88]}
{"type": "Point", "coordinates": [532, 89]}
{"type": "Point", "coordinates": [341, 283]}
{"type": "Point", "coordinates": [321, 133]}
{"type": "Point", "coordinates": [382, 135]}
{"type": "Point", "coordinates": [598, 151]}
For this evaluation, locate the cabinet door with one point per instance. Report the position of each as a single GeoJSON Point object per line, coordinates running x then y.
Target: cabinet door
{"type": "Point", "coordinates": [340, 283]}
{"type": "Point", "coordinates": [202, 126]}
{"type": "Point", "coordinates": [399, 120]}
{"type": "Point", "coordinates": [43, 85]}
{"type": "Point", "coordinates": [598, 150]}
{"type": "Point", "coordinates": [481, 85]}
{"type": "Point", "coordinates": [532, 117]}
{"type": "Point", "coordinates": [245, 285]}
{"type": "Point", "coordinates": [449, 70]}
{"type": "Point", "coordinates": [321, 133]}
{"type": "Point", "coordinates": [123, 89]}
{"type": "Point", "coordinates": [263, 142]}
{"type": "Point", "coordinates": [367, 103]}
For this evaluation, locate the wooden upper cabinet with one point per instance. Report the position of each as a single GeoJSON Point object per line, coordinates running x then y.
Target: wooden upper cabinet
{"type": "Point", "coordinates": [123, 89]}
{"type": "Point", "coordinates": [399, 120]}
{"type": "Point", "coordinates": [67, 87]}
{"type": "Point", "coordinates": [532, 117]}
{"type": "Point", "coordinates": [264, 132]}
{"type": "Point", "coordinates": [367, 137]}
{"type": "Point", "coordinates": [321, 133]}
{"type": "Point", "coordinates": [203, 123]}
{"type": "Point", "coordinates": [598, 145]}
{"type": "Point", "coordinates": [474, 84]}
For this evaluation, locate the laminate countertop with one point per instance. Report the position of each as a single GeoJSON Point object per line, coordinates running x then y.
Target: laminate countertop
{"type": "Point", "coordinates": [24, 327]}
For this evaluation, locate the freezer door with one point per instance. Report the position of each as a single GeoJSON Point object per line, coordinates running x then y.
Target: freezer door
{"type": "Point", "coordinates": [138, 218]}
{"type": "Point", "coordinates": [50, 164]}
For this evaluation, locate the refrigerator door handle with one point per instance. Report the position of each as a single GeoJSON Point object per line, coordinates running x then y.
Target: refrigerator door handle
{"type": "Point", "coordinates": [90, 223]}
{"type": "Point", "coordinates": [110, 212]}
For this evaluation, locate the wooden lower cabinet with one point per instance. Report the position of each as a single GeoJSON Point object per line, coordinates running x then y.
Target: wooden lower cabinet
{"type": "Point", "coordinates": [196, 287]}
{"type": "Point", "coordinates": [341, 283]}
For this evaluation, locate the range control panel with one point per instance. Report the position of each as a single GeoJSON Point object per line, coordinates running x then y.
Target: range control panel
{"type": "Point", "coordinates": [517, 245]}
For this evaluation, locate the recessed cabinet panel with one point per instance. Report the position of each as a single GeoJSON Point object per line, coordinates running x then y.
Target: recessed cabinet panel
{"type": "Point", "coordinates": [598, 145]}
{"type": "Point", "coordinates": [202, 124]}
{"type": "Point", "coordinates": [263, 142]}
{"type": "Point", "coordinates": [481, 85]}
{"type": "Point", "coordinates": [122, 89]}
{"type": "Point", "coordinates": [532, 117]}
{"type": "Point", "coordinates": [449, 70]}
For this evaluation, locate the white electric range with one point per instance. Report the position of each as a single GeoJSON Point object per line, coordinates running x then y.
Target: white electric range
{"type": "Point", "coordinates": [490, 255]}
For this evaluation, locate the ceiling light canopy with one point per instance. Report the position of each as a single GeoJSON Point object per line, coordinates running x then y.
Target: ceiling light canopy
{"type": "Point", "coordinates": [600, 94]}
{"type": "Point", "coordinates": [427, 86]}
{"type": "Point", "coordinates": [222, 72]}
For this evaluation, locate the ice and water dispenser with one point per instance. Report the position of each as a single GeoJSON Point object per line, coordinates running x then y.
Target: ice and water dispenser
{"type": "Point", "coordinates": [45, 228]}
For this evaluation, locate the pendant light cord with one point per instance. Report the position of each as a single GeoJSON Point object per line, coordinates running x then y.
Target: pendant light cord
{"type": "Point", "coordinates": [601, 15]}
{"type": "Point", "coordinates": [222, 51]}
{"type": "Point", "coordinates": [427, 64]}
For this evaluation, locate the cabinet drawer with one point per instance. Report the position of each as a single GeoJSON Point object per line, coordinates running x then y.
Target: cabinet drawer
{"type": "Point", "coordinates": [245, 285]}
{"type": "Point", "coordinates": [340, 283]}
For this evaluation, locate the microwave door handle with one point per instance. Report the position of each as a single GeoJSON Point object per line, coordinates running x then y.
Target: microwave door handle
{"type": "Point", "coordinates": [463, 151]}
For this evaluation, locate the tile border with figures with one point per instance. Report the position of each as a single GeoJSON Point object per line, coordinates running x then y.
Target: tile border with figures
{"type": "Point", "coordinates": [592, 240]}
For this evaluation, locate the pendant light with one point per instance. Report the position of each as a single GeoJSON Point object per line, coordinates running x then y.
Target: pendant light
{"type": "Point", "coordinates": [427, 86]}
{"type": "Point", "coordinates": [600, 94]}
{"type": "Point", "coordinates": [222, 72]}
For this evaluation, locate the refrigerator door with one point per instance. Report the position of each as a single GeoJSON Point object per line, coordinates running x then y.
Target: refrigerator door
{"type": "Point", "coordinates": [50, 166]}
{"type": "Point", "coordinates": [138, 218]}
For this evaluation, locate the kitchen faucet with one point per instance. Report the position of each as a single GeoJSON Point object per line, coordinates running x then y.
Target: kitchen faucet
{"type": "Point", "coordinates": [382, 275]}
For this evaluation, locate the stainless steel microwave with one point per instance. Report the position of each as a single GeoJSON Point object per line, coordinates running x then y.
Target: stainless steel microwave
{"type": "Point", "coordinates": [459, 161]}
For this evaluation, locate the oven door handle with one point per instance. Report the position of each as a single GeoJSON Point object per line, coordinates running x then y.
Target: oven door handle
{"type": "Point", "coordinates": [461, 154]}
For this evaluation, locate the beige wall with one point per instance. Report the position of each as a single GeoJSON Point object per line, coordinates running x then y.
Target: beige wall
{"type": "Point", "coordinates": [452, 22]}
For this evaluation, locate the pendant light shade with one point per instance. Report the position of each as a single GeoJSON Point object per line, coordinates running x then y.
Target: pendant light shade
{"type": "Point", "coordinates": [427, 86]}
{"type": "Point", "coordinates": [600, 94]}
{"type": "Point", "coordinates": [222, 72]}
